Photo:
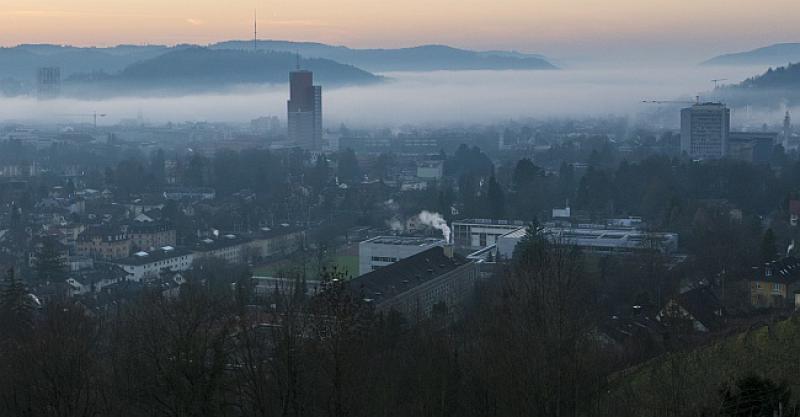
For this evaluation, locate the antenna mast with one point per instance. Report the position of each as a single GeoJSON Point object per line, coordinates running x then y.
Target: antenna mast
{"type": "Point", "coordinates": [255, 30]}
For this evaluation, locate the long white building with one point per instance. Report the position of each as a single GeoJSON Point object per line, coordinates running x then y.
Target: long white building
{"type": "Point", "coordinates": [597, 240]}
{"type": "Point", "coordinates": [147, 265]}
{"type": "Point", "coordinates": [474, 234]}
{"type": "Point", "coordinates": [381, 251]}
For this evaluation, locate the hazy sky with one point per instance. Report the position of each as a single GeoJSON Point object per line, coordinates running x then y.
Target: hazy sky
{"type": "Point", "coordinates": [565, 29]}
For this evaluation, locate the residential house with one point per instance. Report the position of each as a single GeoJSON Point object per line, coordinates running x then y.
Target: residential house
{"type": "Point", "coordinates": [698, 309]}
{"type": "Point", "coordinates": [149, 235]}
{"type": "Point", "coordinates": [775, 284]}
{"type": "Point", "coordinates": [103, 242]}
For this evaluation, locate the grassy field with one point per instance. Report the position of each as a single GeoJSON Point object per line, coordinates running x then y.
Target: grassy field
{"type": "Point", "coordinates": [689, 380]}
{"type": "Point", "coordinates": [345, 262]}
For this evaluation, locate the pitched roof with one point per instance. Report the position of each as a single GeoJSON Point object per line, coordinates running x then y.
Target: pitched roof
{"type": "Point", "coordinates": [784, 271]}
{"type": "Point", "coordinates": [703, 305]}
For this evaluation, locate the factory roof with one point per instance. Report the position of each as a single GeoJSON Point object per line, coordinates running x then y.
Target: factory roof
{"type": "Point", "coordinates": [384, 283]}
{"type": "Point", "coordinates": [406, 240]}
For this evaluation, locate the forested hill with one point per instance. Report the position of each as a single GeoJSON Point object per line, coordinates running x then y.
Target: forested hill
{"type": "Point", "coordinates": [775, 87]}
{"type": "Point", "coordinates": [198, 69]}
{"type": "Point", "coordinates": [779, 78]}
{"type": "Point", "coordinates": [418, 58]}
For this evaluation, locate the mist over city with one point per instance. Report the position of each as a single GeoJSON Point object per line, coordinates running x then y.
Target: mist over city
{"type": "Point", "coordinates": [438, 97]}
{"type": "Point", "coordinates": [422, 208]}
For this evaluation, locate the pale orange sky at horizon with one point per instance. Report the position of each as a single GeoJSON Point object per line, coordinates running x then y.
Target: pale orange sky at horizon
{"type": "Point", "coordinates": [555, 27]}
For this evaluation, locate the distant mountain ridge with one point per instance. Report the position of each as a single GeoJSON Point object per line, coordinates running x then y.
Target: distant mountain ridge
{"type": "Point", "coordinates": [86, 70]}
{"type": "Point", "coordinates": [199, 69]}
{"type": "Point", "coordinates": [418, 58]}
{"type": "Point", "coordinates": [20, 62]}
{"type": "Point", "coordinates": [772, 55]}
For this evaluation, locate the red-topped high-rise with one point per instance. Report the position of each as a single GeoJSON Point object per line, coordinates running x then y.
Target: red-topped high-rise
{"type": "Point", "coordinates": [304, 110]}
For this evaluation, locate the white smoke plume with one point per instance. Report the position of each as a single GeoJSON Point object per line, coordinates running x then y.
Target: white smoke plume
{"type": "Point", "coordinates": [436, 221]}
{"type": "Point", "coordinates": [396, 225]}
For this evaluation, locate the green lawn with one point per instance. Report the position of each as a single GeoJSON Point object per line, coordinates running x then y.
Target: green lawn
{"type": "Point", "coordinates": [346, 263]}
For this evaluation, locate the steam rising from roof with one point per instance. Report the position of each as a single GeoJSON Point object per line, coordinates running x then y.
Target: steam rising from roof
{"type": "Point", "coordinates": [436, 221]}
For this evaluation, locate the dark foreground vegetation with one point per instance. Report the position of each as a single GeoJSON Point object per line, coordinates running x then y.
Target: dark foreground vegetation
{"type": "Point", "coordinates": [528, 345]}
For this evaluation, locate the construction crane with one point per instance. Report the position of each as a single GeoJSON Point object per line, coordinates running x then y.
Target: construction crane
{"type": "Point", "coordinates": [717, 81]}
{"type": "Point", "coordinates": [93, 115]}
{"type": "Point", "coordinates": [696, 101]}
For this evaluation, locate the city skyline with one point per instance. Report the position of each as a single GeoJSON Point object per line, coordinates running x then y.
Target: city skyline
{"type": "Point", "coordinates": [571, 29]}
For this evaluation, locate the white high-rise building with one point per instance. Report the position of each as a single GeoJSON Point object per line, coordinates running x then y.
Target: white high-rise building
{"type": "Point", "coordinates": [704, 130]}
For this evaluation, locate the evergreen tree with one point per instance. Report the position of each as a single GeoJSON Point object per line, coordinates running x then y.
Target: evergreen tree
{"type": "Point", "coordinates": [769, 248]}
{"type": "Point", "coordinates": [49, 264]}
{"type": "Point", "coordinates": [525, 173]}
{"type": "Point", "coordinates": [16, 308]}
{"type": "Point", "coordinates": [496, 199]}
{"type": "Point", "coordinates": [753, 396]}
{"type": "Point", "coordinates": [348, 169]}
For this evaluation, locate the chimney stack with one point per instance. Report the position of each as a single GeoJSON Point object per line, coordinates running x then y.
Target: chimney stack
{"type": "Point", "coordinates": [448, 250]}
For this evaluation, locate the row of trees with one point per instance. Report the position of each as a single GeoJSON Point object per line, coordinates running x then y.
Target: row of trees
{"type": "Point", "coordinates": [522, 348]}
{"type": "Point", "coordinates": [528, 344]}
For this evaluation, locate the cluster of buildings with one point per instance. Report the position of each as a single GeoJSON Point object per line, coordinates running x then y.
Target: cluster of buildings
{"type": "Point", "coordinates": [706, 134]}
{"type": "Point", "coordinates": [614, 236]}
{"type": "Point", "coordinates": [104, 244]}
{"type": "Point", "coordinates": [414, 274]}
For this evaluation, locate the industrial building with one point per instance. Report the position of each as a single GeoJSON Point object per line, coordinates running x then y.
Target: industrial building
{"type": "Point", "coordinates": [596, 240]}
{"type": "Point", "coordinates": [474, 234]}
{"type": "Point", "coordinates": [382, 251]}
{"type": "Point", "coordinates": [416, 286]}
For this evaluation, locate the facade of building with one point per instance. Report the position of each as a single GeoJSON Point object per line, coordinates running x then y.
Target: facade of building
{"type": "Point", "coordinates": [230, 248]}
{"type": "Point", "coordinates": [430, 170]}
{"type": "Point", "coordinates": [474, 234]}
{"type": "Point", "coordinates": [281, 240]}
{"type": "Point", "coordinates": [416, 286]}
{"type": "Point", "coordinates": [704, 130]}
{"type": "Point", "coordinates": [149, 235]}
{"type": "Point", "coordinates": [48, 82]}
{"type": "Point", "coordinates": [753, 147]}
{"type": "Point", "coordinates": [103, 242]}
{"type": "Point", "coordinates": [304, 110]}
{"type": "Point", "coordinates": [94, 279]}
{"type": "Point", "coordinates": [144, 266]}
{"type": "Point", "coordinates": [382, 251]}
